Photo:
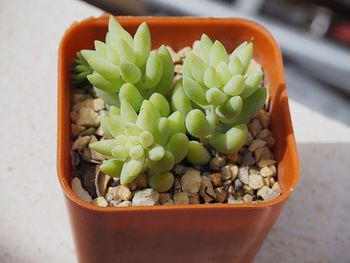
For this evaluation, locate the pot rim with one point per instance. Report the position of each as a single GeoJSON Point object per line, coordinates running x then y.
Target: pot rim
{"type": "Point", "coordinates": [136, 20]}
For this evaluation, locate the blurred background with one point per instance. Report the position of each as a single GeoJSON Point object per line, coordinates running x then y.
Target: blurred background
{"type": "Point", "coordinates": [315, 39]}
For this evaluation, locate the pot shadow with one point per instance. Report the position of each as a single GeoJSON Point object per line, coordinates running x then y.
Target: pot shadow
{"type": "Point", "coordinates": [314, 225]}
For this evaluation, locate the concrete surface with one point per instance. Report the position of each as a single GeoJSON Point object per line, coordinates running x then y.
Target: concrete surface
{"type": "Point", "coordinates": [314, 226]}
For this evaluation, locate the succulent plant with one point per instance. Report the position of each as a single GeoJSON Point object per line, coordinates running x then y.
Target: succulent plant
{"type": "Point", "coordinates": [147, 141]}
{"type": "Point", "coordinates": [125, 59]}
{"type": "Point", "coordinates": [81, 69]}
{"type": "Point", "coordinates": [218, 95]}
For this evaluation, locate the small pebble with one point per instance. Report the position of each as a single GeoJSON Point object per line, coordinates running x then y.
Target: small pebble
{"type": "Point", "coordinates": [217, 162]}
{"type": "Point", "coordinates": [100, 201]}
{"type": "Point", "coordinates": [193, 198]}
{"type": "Point", "coordinates": [81, 143]}
{"type": "Point", "coordinates": [257, 143]}
{"type": "Point", "coordinates": [255, 181]}
{"type": "Point", "coordinates": [263, 163]}
{"type": "Point", "coordinates": [247, 159]}
{"type": "Point", "coordinates": [206, 190]}
{"type": "Point", "coordinates": [262, 153]}
{"type": "Point", "coordinates": [164, 198]}
{"type": "Point", "coordinates": [111, 194]}
{"type": "Point", "coordinates": [125, 203]}
{"type": "Point", "coordinates": [87, 117]}
{"type": "Point", "coordinates": [216, 179]}
{"type": "Point", "coordinates": [221, 195]}
{"type": "Point", "coordinates": [264, 133]}
{"type": "Point", "coordinates": [266, 172]}
{"type": "Point", "coordinates": [141, 181]}
{"type": "Point", "coordinates": [255, 127]}
{"type": "Point", "coordinates": [232, 157]}
{"type": "Point", "coordinates": [123, 192]}
{"type": "Point", "coordinates": [247, 198]}
{"type": "Point", "coordinates": [191, 181]}
{"type": "Point", "coordinates": [79, 190]}
{"type": "Point", "coordinates": [264, 118]}
{"type": "Point", "coordinates": [270, 141]}
{"type": "Point", "coordinates": [146, 197]}
{"type": "Point", "coordinates": [181, 198]}
{"type": "Point", "coordinates": [243, 174]}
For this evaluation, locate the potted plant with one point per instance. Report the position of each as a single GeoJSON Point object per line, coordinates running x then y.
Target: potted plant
{"type": "Point", "coordinates": [150, 125]}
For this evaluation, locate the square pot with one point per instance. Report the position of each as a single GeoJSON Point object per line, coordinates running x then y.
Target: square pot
{"type": "Point", "coordinates": [181, 233]}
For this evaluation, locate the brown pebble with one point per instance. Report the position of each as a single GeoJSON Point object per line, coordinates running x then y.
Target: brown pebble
{"type": "Point", "coordinates": [232, 157]}
{"type": "Point", "coordinates": [270, 141]}
{"type": "Point", "coordinates": [141, 181]}
{"type": "Point", "coordinates": [181, 198]}
{"type": "Point", "coordinates": [216, 179]}
{"type": "Point", "coordinates": [221, 195]}
{"type": "Point", "coordinates": [255, 127]}
{"type": "Point", "coordinates": [257, 143]}
{"type": "Point", "coordinates": [206, 190]}
{"type": "Point", "coordinates": [164, 198]}
{"type": "Point", "coordinates": [193, 198]}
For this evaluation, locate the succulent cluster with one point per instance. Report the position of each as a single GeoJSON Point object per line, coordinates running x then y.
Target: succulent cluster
{"type": "Point", "coordinates": [125, 59]}
{"type": "Point", "coordinates": [219, 94]}
{"type": "Point", "coordinates": [150, 122]}
{"type": "Point", "coordinates": [145, 142]}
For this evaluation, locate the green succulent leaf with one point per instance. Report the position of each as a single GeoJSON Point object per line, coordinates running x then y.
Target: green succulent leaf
{"type": "Point", "coordinates": [252, 83]}
{"type": "Point", "coordinates": [217, 54]}
{"type": "Point", "coordinates": [107, 69]}
{"type": "Point", "coordinates": [161, 104]}
{"type": "Point", "coordinates": [165, 83]}
{"type": "Point", "coordinates": [197, 153]}
{"type": "Point", "coordinates": [161, 131]}
{"type": "Point", "coordinates": [163, 165]}
{"type": "Point", "coordinates": [130, 93]}
{"type": "Point", "coordinates": [148, 116]}
{"type": "Point", "coordinates": [156, 152]}
{"type": "Point", "coordinates": [130, 72]}
{"type": "Point", "coordinates": [176, 123]}
{"type": "Point", "coordinates": [112, 167]}
{"type": "Point", "coordinates": [154, 71]}
{"type": "Point", "coordinates": [127, 112]}
{"type": "Point", "coordinates": [142, 44]}
{"type": "Point", "coordinates": [179, 101]}
{"type": "Point", "coordinates": [212, 78]}
{"type": "Point", "coordinates": [104, 147]}
{"type": "Point", "coordinates": [197, 124]}
{"type": "Point", "coordinates": [195, 91]}
{"type": "Point", "coordinates": [234, 86]}
{"type": "Point", "coordinates": [161, 182]}
{"type": "Point", "coordinates": [178, 146]}
{"type": "Point", "coordinates": [131, 169]}
{"type": "Point", "coordinates": [231, 141]}
{"type": "Point", "coordinates": [216, 97]}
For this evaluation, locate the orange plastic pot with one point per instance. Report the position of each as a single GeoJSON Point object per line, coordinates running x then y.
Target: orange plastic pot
{"type": "Point", "coordinates": [193, 233]}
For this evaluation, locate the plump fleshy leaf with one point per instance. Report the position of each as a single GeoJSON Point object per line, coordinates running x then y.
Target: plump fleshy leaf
{"type": "Point", "coordinates": [197, 124]}
{"type": "Point", "coordinates": [194, 91]}
{"type": "Point", "coordinates": [197, 153]}
{"type": "Point", "coordinates": [130, 72]}
{"type": "Point", "coordinates": [132, 95]}
{"type": "Point", "coordinates": [252, 83]}
{"type": "Point", "coordinates": [231, 141]}
{"type": "Point", "coordinates": [179, 101]}
{"type": "Point", "coordinates": [161, 182]}
{"type": "Point", "coordinates": [142, 44]}
{"type": "Point", "coordinates": [217, 54]}
{"type": "Point", "coordinates": [148, 116]}
{"type": "Point", "coordinates": [112, 167]}
{"type": "Point", "coordinates": [161, 104]}
{"type": "Point", "coordinates": [178, 146]}
{"type": "Point", "coordinates": [163, 165]}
